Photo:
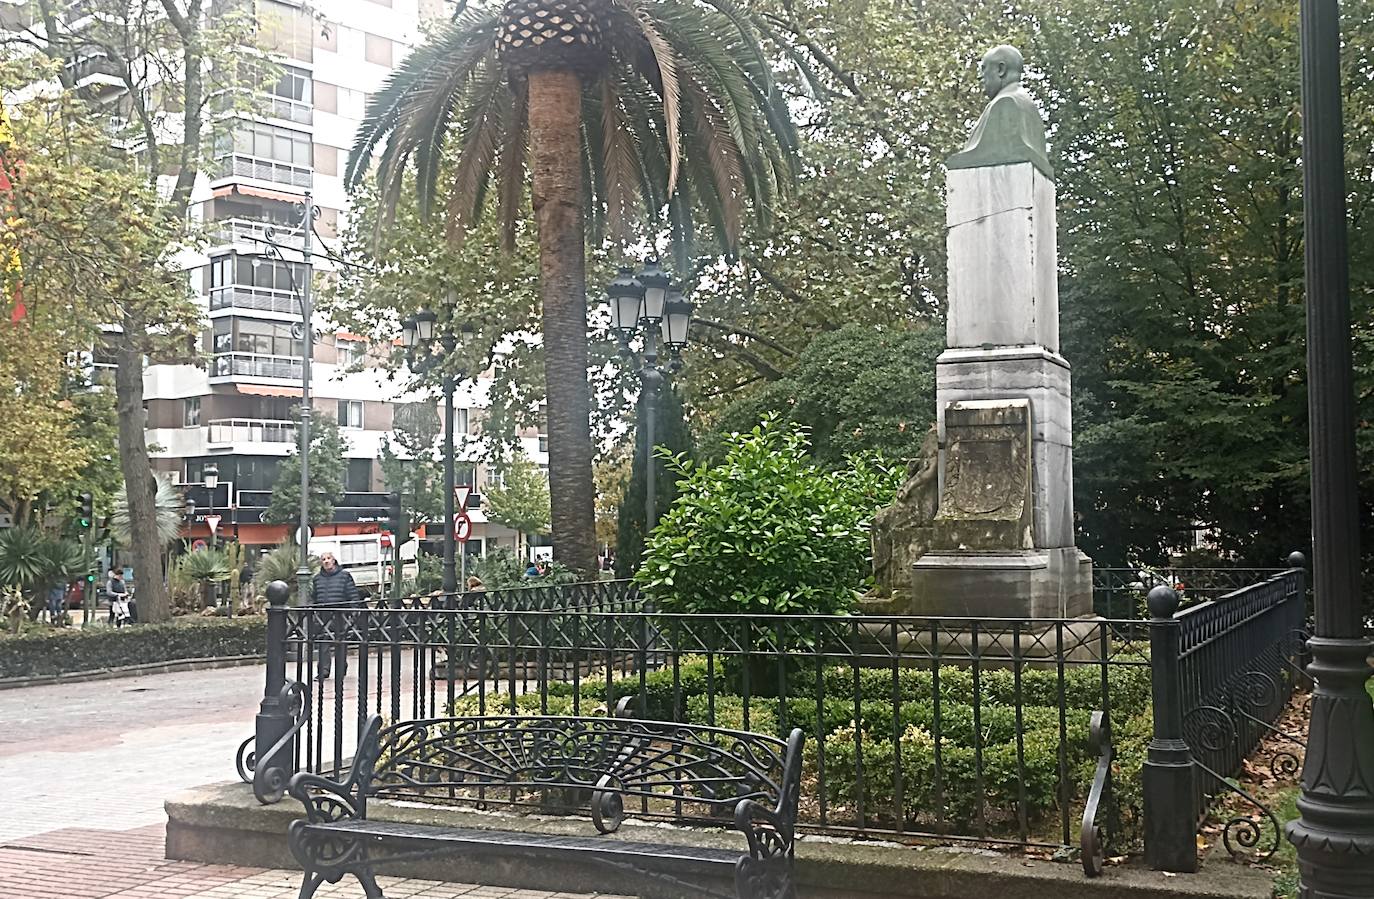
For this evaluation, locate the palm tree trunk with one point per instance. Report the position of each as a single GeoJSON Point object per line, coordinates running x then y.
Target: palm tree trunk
{"type": "Point", "coordinates": [555, 113]}
{"type": "Point", "coordinates": [141, 489]}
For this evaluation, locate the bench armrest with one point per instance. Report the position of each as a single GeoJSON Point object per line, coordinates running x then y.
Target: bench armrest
{"type": "Point", "coordinates": [771, 832]}
{"type": "Point", "coordinates": [331, 800]}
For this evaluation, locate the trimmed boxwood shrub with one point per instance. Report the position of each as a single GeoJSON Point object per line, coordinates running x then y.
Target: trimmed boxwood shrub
{"type": "Point", "coordinates": [68, 650]}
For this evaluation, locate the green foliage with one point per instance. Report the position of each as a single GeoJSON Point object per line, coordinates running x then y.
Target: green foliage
{"type": "Point", "coordinates": [23, 556]}
{"type": "Point", "coordinates": [765, 530]}
{"type": "Point", "coordinates": [171, 510]}
{"type": "Point", "coordinates": [672, 435]}
{"type": "Point", "coordinates": [521, 502]}
{"type": "Point", "coordinates": [206, 566]}
{"type": "Point", "coordinates": [326, 476]}
{"type": "Point", "coordinates": [858, 390]}
{"type": "Point", "coordinates": [412, 465]}
{"type": "Point", "coordinates": [500, 569]}
{"type": "Point", "coordinates": [66, 650]}
{"type": "Point", "coordinates": [280, 564]}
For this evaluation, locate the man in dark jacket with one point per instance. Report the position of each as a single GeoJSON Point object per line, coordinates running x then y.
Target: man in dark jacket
{"type": "Point", "coordinates": [332, 588]}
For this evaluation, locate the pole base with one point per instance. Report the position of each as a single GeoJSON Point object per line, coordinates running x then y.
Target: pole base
{"type": "Point", "coordinates": [1334, 834]}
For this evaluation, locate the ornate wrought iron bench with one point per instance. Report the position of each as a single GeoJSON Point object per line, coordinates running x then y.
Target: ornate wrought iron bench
{"type": "Point", "coordinates": [683, 772]}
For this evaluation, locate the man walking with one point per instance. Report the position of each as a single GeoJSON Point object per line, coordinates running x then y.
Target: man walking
{"type": "Point", "coordinates": [333, 588]}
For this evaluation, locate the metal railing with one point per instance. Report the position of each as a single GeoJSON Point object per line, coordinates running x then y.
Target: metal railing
{"type": "Point", "coordinates": [231, 230]}
{"type": "Point", "coordinates": [253, 365]}
{"type": "Point", "coordinates": [260, 299]}
{"type": "Point", "coordinates": [1225, 671]}
{"type": "Point", "coordinates": [1121, 592]}
{"type": "Point", "coordinates": [263, 170]}
{"type": "Point", "coordinates": [251, 430]}
{"type": "Point", "coordinates": [985, 730]}
{"type": "Point", "coordinates": [277, 107]}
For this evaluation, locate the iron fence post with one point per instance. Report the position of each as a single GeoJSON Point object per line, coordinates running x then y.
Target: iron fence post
{"type": "Point", "coordinates": [275, 717]}
{"type": "Point", "coordinates": [1169, 774]}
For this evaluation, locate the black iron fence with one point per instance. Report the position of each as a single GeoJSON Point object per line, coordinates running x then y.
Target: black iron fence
{"type": "Point", "coordinates": [988, 730]}
{"type": "Point", "coordinates": [1120, 592]}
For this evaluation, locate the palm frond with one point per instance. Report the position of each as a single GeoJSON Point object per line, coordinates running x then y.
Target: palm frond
{"type": "Point", "coordinates": [722, 154]}
{"type": "Point", "coordinates": [415, 105]}
{"type": "Point", "coordinates": [665, 59]}
{"type": "Point", "coordinates": [621, 170]}
{"type": "Point", "coordinates": [483, 119]}
{"type": "Point", "coordinates": [170, 506]}
{"type": "Point", "coordinates": [510, 175]}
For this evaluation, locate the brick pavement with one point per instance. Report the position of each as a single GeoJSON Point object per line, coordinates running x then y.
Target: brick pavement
{"type": "Point", "coordinates": [75, 863]}
{"type": "Point", "coordinates": [84, 770]}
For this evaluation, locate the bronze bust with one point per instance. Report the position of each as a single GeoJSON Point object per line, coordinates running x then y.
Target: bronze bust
{"type": "Point", "coordinates": [1010, 129]}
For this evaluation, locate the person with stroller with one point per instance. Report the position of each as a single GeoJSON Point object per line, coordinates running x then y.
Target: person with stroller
{"type": "Point", "coordinates": [118, 592]}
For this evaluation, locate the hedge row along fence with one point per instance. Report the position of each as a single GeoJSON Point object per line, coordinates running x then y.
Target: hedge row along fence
{"type": "Point", "coordinates": [71, 650]}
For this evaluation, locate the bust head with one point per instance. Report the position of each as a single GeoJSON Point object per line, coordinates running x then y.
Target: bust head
{"type": "Point", "coordinates": [1000, 66]}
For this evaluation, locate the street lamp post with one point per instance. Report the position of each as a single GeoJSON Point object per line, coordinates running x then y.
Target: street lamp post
{"type": "Point", "coordinates": [1334, 833]}
{"type": "Point", "coordinates": [650, 302]}
{"type": "Point", "coordinates": [418, 335]}
{"type": "Point", "coordinates": [302, 292]}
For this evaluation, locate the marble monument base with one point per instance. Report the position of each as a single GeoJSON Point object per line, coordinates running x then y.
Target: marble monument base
{"type": "Point", "coordinates": [1033, 583]}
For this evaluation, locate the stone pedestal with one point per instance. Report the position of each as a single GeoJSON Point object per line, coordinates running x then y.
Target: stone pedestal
{"type": "Point", "coordinates": [1004, 535]}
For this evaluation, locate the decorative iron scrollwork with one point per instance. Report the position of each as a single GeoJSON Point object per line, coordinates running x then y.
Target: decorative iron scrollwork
{"type": "Point", "coordinates": [245, 759]}
{"type": "Point", "coordinates": [269, 781]}
{"type": "Point", "coordinates": [1091, 838]}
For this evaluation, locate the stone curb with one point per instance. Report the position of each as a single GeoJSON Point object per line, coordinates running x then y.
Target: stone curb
{"type": "Point", "coordinates": [169, 667]}
{"type": "Point", "coordinates": [222, 822]}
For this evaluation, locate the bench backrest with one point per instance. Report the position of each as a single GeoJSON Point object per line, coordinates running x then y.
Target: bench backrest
{"type": "Point", "coordinates": [694, 768]}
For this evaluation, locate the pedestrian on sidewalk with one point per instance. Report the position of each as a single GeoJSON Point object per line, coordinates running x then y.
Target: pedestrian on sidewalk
{"type": "Point", "coordinates": [57, 594]}
{"type": "Point", "coordinates": [333, 588]}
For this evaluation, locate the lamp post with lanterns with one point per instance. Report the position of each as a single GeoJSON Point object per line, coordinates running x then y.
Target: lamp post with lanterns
{"type": "Point", "coordinates": [651, 305]}
{"type": "Point", "coordinates": [430, 345]}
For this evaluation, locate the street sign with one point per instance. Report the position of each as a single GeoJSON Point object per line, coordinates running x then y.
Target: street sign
{"type": "Point", "coordinates": [199, 545]}
{"type": "Point", "coordinates": [462, 528]}
{"type": "Point", "coordinates": [460, 496]}
{"type": "Point", "coordinates": [300, 541]}
{"type": "Point", "coordinates": [213, 522]}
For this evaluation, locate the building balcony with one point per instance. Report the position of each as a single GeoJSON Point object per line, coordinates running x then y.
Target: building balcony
{"type": "Point", "coordinates": [239, 166]}
{"type": "Point", "coordinates": [257, 299]}
{"type": "Point", "coordinates": [252, 232]}
{"type": "Point", "coordinates": [230, 366]}
{"type": "Point", "coordinates": [251, 430]}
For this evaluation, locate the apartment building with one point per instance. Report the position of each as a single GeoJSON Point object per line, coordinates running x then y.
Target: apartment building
{"type": "Point", "coordinates": [237, 412]}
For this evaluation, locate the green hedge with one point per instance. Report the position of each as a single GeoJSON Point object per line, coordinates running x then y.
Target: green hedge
{"type": "Point", "coordinates": [908, 710]}
{"type": "Point", "coordinates": [67, 650]}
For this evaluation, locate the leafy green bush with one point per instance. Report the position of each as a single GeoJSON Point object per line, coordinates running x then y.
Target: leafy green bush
{"type": "Point", "coordinates": [67, 650]}
{"type": "Point", "coordinates": [765, 531]}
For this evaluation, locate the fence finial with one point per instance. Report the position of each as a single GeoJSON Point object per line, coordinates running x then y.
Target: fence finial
{"type": "Point", "coordinates": [1162, 602]}
{"type": "Point", "coordinates": [1297, 560]}
{"type": "Point", "coordinates": [278, 592]}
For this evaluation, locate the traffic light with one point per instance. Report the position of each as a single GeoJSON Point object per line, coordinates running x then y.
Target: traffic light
{"type": "Point", "coordinates": [86, 517]}
{"type": "Point", "coordinates": [396, 519]}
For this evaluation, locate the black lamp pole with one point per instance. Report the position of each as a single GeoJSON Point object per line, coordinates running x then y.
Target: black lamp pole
{"type": "Point", "coordinates": [419, 338]}
{"type": "Point", "coordinates": [1334, 834]}
{"type": "Point", "coordinates": [651, 303]}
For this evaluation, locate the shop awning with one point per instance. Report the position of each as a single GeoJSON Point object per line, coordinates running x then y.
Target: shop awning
{"type": "Point", "coordinates": [266, 390]}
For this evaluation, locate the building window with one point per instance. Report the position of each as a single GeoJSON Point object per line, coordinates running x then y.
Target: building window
{"type": "Point", "coordinates": [286, 29]}
{"type": "Point", "coordinates": [273, 143]}
{"type": "Point", "coordinates": [544, 443]}
{"type": "Point", "coordinates": [358, 476]}
{"type": "Point", "coordinates": [294, 84]}
{"type": "Point", "coordinates": [460, 421]}
{"type": "Point", "coordinates": [242, 335]}
{"type": "Point", "coordinates": [235, 270]}
{"type": "Point", "coordinates": [350, 414]}
{"type": "Point", "coordinates": [190, 412]}
{"type": "Point", "coordinates": [350, 352]}
{"type": "Point", "coordinates": [377, 50]}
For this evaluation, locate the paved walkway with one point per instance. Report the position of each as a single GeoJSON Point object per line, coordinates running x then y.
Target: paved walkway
{"type": "Point", "coordinates": [84, 770]}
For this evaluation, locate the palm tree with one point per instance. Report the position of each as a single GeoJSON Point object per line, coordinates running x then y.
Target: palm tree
{"type": "Point", "coordinates": [670, 103]}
